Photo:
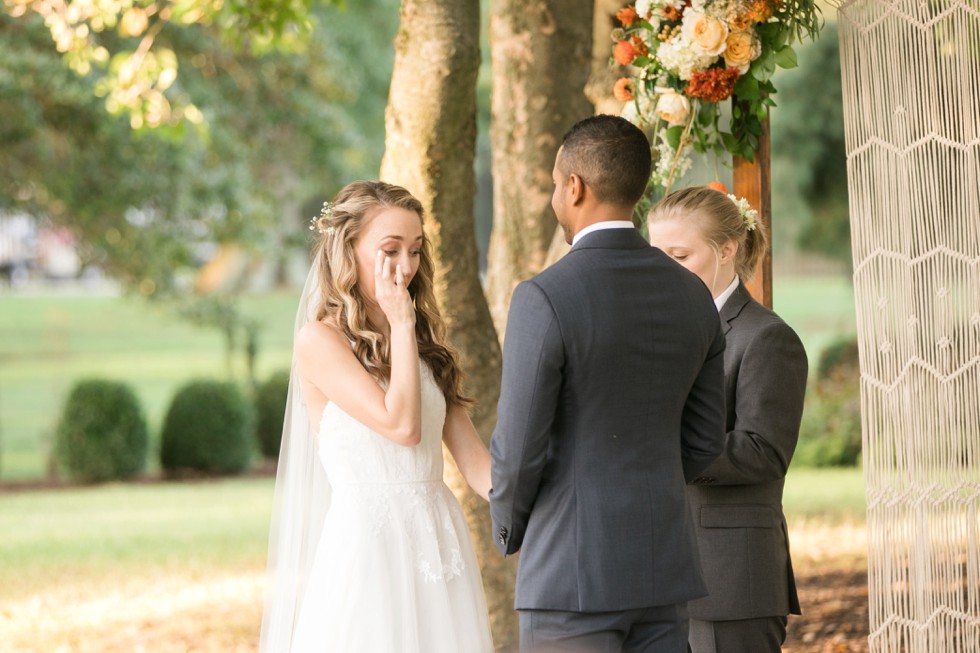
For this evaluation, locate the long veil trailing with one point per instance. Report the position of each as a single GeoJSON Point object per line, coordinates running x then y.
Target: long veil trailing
{"type": "Point", "coordinates": [302, 497]}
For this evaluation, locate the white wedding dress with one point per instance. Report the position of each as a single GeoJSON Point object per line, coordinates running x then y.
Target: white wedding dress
{"type": "Point", "coordinates": [394, 570]}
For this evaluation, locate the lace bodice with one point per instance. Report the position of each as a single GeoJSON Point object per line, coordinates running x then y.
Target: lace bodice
{"type": "Point", "coordinates": [351, 453]}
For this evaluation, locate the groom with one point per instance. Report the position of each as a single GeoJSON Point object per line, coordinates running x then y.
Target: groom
{"type": "Point", "coordinates": [611, 400]}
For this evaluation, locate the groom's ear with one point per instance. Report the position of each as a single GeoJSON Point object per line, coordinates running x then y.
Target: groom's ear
{"type": "Point", "coordinates": [577, 189]}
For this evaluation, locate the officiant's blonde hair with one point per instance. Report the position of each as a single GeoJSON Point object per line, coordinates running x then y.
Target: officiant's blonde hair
{"type": "Point", "coordinates": [342, 304]}
{"type": "Point", "coordinates": [719, 220]}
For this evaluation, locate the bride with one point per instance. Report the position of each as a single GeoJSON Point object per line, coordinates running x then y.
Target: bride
{"type": "Point", "coordinates": [369, 551]}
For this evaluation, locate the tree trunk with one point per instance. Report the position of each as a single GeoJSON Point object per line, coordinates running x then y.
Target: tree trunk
{"type": "Point", "coordinates": [600, 86]}
{"type": "Point", "coordinates": [429, 149]}
{"type": "Point", "coordinates": [542, 53]}
{"type": "Point", "coordinates": [598, 89]}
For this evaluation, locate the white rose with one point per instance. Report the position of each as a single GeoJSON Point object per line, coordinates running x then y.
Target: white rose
{"type": "Point", "coordinates": [643, 8]}
{"type": "Point", "coordinates": [674, 108]}
{"type": "Point", "coordinates": [706, 34]}
{"type": "Point", "coordinates": [741, 49]}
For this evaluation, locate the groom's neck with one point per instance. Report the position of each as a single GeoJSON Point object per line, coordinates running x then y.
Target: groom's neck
{"type": "Point", "coordinates": [603, 213]}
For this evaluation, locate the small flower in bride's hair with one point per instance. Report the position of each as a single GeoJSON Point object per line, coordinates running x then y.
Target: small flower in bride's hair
{"type": "Point", "coordinates": [750, 217]}
{"type": "Point", "coordinates": [317, 223]}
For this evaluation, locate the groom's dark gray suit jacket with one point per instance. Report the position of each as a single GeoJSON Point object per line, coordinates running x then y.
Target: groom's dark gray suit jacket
{"type": "Point", "coordinates": [612, 399]}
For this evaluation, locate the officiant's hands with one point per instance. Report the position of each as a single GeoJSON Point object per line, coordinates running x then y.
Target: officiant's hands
{"type": "Point", "coordinates": [391, 292]}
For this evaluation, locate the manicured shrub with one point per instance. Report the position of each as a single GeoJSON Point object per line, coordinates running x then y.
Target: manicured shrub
{"type": "Point", "coordinates": [270, 409]}
{"type": "Point", "coordinates": [830, 435]}
{"type": "Point", "coordinates": [102, 433]}
{"type": "Point", "coordinates": [208, 429]}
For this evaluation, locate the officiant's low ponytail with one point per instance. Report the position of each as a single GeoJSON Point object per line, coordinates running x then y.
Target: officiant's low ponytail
{"type": "Point", "coordinates": [720, 218]}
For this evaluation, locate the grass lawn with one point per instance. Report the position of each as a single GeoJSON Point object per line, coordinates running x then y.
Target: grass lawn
{"type": "Point", "coordinates": [820, 309]}
{"type": "Point", "coordinates": [831, 493]}
{"type": "Point", "coordinates": [114, 568]}
{"type": "Point", "coordinates": [47, 343]}
{"type": "Point", "coordinates": [177, 567]}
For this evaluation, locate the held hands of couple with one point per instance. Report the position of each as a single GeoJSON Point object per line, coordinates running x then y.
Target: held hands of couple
{"type": "Point", "coordinates": [391, 292]}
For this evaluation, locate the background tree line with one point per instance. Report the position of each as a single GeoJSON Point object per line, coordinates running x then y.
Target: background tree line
{"type": "Point", "coordinates": [268, 108]}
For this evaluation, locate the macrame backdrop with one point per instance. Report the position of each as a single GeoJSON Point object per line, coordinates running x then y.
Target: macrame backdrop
{"type": "Point", "coordinates": [911, 81]}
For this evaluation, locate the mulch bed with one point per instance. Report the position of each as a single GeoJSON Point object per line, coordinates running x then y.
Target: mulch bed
{"type": "Point", "coordinates": [834, 597]}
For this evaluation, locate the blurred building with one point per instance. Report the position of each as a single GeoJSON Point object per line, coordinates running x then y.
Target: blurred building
{"type": "Point", "coordinates": [31, 252]}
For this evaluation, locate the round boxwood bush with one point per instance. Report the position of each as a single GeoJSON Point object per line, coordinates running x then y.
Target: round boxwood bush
{"type": "Point", "coordinates": [208, 429]}
{"type": "Point", "coordinates": [270, 410]}
{"type": "Point", "coordinates": [102, 434]}
{"type": "Point", "coordinates": [830, 435]}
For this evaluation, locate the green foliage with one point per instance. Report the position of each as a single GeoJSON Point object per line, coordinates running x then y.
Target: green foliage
{"type": "Point", "coordinates": [102, 434]}
{"type": "Point", "coordinates": [282, 129]}
{"type": "Point", "coordinates": [270, 410]}
{"type": "Point", "coordinates": [830, 435]}
{"type": "Point", "coordinates": [120, 41]}
{"type": "Point", "coordinates": [840, 360]}
{"type": "Point", "coordinates": [208, 429]}
{"type": "Point", "coordinates": [808, 149]}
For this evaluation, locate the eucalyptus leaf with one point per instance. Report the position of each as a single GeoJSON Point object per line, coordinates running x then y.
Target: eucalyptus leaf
{"type": "Point", "coordinates": [785, 57]}
{"type": "Point", "coordinates": [747, 88]}
{"type": "Point", "coordinates": [763, 68]}
{"type": "Point", "coordinates": [674, 136]}
{"type": "Point", "coordinates": [707, 113]}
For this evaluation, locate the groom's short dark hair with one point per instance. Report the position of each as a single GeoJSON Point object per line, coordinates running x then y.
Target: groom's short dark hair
{"type": "Point", "coordinates": [612, 157]}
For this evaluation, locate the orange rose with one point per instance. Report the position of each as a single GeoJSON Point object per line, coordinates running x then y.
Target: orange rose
{"type": "Point", "coordinates": [624, 53]}
{"type": "Point", "coordinates": [741, 48]}
{"type": "Point", "coordinates": [718, 186]}
{"type": "Point", "coordinates": [626, 16]}
{"type": "Point", "coordinates": [623, 90]}
{"type": "Point", "coordinates": [706, 34]}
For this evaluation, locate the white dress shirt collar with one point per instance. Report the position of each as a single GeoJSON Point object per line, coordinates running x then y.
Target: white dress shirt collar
{"type": "Point", "coordinates": [723, 297]}
{"type": "Point", "coordinates": [608, 224]}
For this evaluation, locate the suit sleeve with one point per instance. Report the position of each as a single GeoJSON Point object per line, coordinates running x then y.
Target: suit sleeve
{"type": "Point", "coordinates": [703, 418]}
{"type": "Point", "coordinates": [768, 408]}
{"type": "Point", "coordinates": [532, 369]}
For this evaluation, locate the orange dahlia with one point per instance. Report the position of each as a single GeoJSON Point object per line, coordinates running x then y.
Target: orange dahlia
{"type": "Point", "coordinates": [623, 89]}
{"type": "Point", "coordinates": [624, 53]}
{"type": "Point", "coordinates": [627, 16]}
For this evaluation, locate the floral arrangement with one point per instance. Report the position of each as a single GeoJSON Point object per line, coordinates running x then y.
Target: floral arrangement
{"type": "Point", "coordinates": [687, 56]}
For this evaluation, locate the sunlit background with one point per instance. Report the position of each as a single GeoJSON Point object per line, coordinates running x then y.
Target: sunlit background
{"type": "Point", "coordinates": [202, 287]}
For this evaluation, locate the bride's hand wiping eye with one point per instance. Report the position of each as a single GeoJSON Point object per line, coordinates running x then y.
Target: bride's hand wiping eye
{"type": "Point", "coordinates": [391, 291]}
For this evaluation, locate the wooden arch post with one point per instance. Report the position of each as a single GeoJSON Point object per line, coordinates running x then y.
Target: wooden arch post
{"type": "Point", "coordinates": [753, 181]}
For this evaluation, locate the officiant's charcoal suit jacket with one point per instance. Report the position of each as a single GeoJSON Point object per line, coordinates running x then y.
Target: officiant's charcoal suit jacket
{"type": "Point", "coordinates": [737, 501]}
{"type": "Point", "coordinates": [611, 400]}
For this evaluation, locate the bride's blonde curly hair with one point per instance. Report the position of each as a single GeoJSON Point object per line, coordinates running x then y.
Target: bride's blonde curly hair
{"type": "Point", "coordinates": [342, 304]}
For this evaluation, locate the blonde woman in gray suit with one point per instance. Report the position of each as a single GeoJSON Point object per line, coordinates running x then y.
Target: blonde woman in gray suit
{"type": "Point", "coordinates": [737, 501]}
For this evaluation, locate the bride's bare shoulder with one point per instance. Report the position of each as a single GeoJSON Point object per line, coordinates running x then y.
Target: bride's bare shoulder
{"type": "Point", "coordinates": [321, 339]}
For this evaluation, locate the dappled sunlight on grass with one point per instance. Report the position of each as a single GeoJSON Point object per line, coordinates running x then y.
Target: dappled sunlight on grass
{"type": "Point", "coordinates": [168, 567]}
{"type": "Point", "coordinates": [167, 614]}
{"type": "Point", "coordinates": [180, 567]}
